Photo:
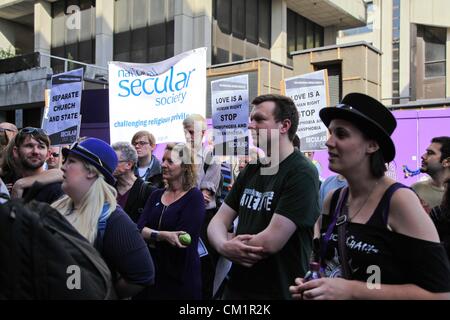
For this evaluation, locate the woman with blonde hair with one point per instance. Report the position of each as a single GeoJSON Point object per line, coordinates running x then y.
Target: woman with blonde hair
{"type": "Point", "coordinates": [90, 206]}
{"type": "Point", "coordinates": [169, 213]}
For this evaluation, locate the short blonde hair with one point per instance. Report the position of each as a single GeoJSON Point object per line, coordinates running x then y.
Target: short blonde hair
{"type": "Point", "coordinates": [193, 119]}
{"type": "Point", "coordinates": [184, 154]}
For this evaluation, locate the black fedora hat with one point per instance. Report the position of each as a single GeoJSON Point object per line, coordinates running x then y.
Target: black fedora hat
{"type": "Point", "coordinates": [369, 115]}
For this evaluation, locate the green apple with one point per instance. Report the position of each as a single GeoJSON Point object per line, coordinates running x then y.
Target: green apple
{"type": "Point", "coordinates": [185, 239]}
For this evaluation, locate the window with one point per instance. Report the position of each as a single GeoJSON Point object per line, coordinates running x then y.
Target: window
{"type": "Point", "coordinates": [302, 33]}
{"type": "Point", "coordinates": [72, 44]}
{"type": "Point", "coordinates": [238, 18]}
{"type": "Point", "coordinates": [245, 19]}
{"type": "Point", "coordinates": [143, 30]}
{"type": "Point", "coordinates": [251, 21]}
{"type": "Point", "coordinates": [434, 42]}
{"type": "Point", "coordinates": [395, 50]}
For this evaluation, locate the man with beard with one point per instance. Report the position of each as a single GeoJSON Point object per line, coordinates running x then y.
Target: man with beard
{"type": "Point", "coordinates": [31, 150]}
{"type": "Point", "coordinates": [431, 191]}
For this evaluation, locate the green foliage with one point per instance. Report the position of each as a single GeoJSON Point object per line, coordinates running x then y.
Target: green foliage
{"type": "Point", "coordinates": [7, 53]}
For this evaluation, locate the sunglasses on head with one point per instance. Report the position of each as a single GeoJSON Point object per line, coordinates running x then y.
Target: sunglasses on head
{"type": "Point", "coordinates": [32, 130]}
{"type": "Point", "coordinates": [77, 147]}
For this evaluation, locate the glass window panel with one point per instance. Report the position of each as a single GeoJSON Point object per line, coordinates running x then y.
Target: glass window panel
{"type": "Point", "coordinates": [291, 32]}
{"type": "Point", "coordinates": [309, 34]}
{"type": "Point", "coordinates": [122, 46]}
{"type": "Point", "coordinates": [86, 4]}
{"type": "Point", "coordinates": [86, 51]}
{"type": "Point", "coordinates": [170, 25]}
{"type": "Point", "coordinates": [251, 21]}
{"type": "Point", "coordinates": [238, 18]}
{"type": "Point", "coordinates": [58, 9]}
{"type": "Point", "coordinates": [435, 70]}
{"type": "Point", "coordinates": [139, 45]}
{"type": "Point", "coordinates": [318, 36]}
{"type": "Point", "coordinates": [222, 56]}
{"type": "Point", "coordinates": [264, 22]}
{"type": "Point", "coordinates": [157, 42]}
{"type": "Point", "coordinates": [435, 41]}
{"type": "Point", "coordinates": [223, 15]}
{"type": "Point", "coordinates": [301, 33]}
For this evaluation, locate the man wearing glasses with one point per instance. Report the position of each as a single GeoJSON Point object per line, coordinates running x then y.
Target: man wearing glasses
{"type": "Point", "coordinates": [148, 167]}
{"type": "Point", "coordinates": [30, 151]}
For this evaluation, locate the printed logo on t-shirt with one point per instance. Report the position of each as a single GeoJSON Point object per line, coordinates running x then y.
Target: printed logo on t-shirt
{"type": "Point", "coordinates": [257, 201]}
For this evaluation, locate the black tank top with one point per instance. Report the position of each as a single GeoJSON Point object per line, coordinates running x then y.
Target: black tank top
{"type": "Point", "coordinates": [392, 257]}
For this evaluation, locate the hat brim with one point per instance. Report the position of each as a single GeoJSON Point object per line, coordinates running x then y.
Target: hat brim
{"type": "Point", "coordinates": [109, 178]}
{"type": "Point", "coordinates": [366, 125]}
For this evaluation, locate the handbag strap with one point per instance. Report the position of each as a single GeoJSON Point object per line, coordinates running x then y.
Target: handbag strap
{"type": "Point", "coordinates": [341, 224]}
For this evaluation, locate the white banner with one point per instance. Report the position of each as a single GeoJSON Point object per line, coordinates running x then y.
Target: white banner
{"type": "Point", "coordinates": [310, 94]}
{"type": "Point", "coordinates": [156, 97]}
{"type": "Point", "coordinates": [229, 103]}
{"type": "Point", "coordinates": [62, 117]}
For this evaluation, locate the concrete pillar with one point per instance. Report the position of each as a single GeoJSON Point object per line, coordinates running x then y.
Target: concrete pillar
{"type": "Point", "coordinates": [193, 24]}
{"type": "Point", "coordinates": [42, 30]}
{"type": "Point", "coordinates": [278, 48]}
{"type": "Point", "coordinates": [447, 65]}
{"type": "Point", "coordinates": [377, 24]}
{"type": "Point", "coordinates": [405, 51]}
{"type": "Point", "coordinates": [104, 32]}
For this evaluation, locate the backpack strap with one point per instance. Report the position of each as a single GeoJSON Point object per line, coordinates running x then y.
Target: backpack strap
{"type": "Point", "coordinates": [101, 227]}
{"type": "Point", "coordinates": [339, 221]}
{"type": "Point", "coordinates": [341, 224]}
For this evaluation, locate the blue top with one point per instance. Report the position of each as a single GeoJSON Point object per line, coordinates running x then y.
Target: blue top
{"type": "Point", "coordinates": [330, 184]}
{"type": "Point", "coordinates": [177, 269]}
{"type": "Point", "coordinates": [124, 250]}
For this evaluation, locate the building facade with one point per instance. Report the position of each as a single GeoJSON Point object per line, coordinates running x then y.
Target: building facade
{"type": "Point", "coordinates": [242, 36]}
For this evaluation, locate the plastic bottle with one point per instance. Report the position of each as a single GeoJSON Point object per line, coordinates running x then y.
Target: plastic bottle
{"type": "Point", "coordinates": [313, 273]}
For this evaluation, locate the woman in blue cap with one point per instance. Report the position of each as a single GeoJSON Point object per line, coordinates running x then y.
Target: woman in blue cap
{"type": "Point", "coordinates": [376, 241]}
{"type": "Point", "coordinates": [90, 206]}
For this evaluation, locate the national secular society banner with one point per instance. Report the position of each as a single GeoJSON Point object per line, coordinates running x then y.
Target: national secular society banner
{"type": "Point", "coordinates": [156, 97]}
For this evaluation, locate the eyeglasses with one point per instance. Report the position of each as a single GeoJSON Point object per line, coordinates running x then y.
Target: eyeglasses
{"type": "Point", "coordinates": [140, 143]}
{"type": "Point", "coordinates": [77, 147]}
{"type": "Point", "coordinates": [54, 154]}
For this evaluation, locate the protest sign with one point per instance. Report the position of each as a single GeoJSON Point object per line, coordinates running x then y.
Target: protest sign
{"type": "Point", "coordinates": [62, 117]}
{"type": "Point", "coordinates": [156, 97]}
{"type": "Point", "coordinates": [310, 94]}
{"type": "Point", "coordinates": [229, 103]}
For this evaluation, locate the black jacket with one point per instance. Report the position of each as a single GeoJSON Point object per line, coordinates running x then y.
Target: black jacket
{"type": "Point", "coordinates": [139, 193]}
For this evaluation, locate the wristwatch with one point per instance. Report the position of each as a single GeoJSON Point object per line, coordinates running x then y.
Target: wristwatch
{"type": "Point", "coordinates": [154, 235]}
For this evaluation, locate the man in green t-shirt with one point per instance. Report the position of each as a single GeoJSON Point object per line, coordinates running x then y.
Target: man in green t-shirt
{"type": "Point", "coordinates": [276, 211]}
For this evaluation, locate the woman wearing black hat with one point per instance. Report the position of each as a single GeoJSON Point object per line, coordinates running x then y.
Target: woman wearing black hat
{"type": "Point", "coordinates": [91, 207]}
{"type": "Point", "coordinates": [376, 241]}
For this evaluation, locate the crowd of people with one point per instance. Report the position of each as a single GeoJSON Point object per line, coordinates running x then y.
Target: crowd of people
{"type": "Point", "coordinates": [189, 226]}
